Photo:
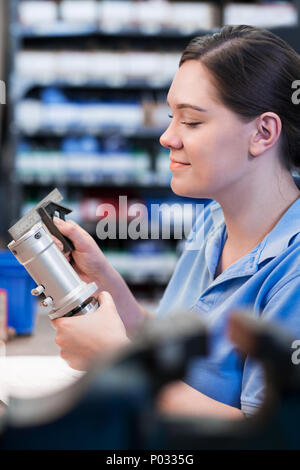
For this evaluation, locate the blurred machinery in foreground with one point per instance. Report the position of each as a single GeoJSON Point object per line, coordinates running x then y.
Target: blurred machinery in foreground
{"type": "Point", "coordinates": [113, 406]}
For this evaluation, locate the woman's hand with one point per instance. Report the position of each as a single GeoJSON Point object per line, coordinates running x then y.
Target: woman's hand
{"type": "Point", "coordinates": [81, 338]}
{"type": "Point", "coordinates": [92, 266]}
{"type": "Point", "coordinates": [87, 258]}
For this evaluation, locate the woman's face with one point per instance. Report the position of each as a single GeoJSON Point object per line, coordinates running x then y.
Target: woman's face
{"type": "Point", "coordinates": [208, 143]}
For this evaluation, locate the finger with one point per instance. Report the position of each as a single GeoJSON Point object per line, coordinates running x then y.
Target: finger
{"type": "Point", "coordinates": [58, 243]}
{"type": "Point", "coordinates": [80, 238]}
{"type": "Point", "coordinates": [60, 246]}
{"type": "Point", "coordinates": [59, 322]}
{"type": "Point", "coordinates": [54, 324]}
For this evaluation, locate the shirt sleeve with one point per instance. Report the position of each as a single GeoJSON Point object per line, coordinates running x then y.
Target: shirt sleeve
{"type": "Point", "coordinates": [171, 299]}
{"type": "Point", "coordinates": [282, 309]}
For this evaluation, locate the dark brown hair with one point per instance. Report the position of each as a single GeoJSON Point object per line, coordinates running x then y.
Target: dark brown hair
{"type": "Point", "coordinates": [253, 70]}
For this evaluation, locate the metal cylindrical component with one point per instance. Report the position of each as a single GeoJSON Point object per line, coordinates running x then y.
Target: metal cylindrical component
{"type": "Point", "coordinates": [38, 290]}
{"type": "Point", "coordinates": [47, 302]}
{"type": "Point", "coordinates": [45, 263]}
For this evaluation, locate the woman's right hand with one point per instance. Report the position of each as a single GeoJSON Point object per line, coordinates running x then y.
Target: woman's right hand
{"type": "Point", "coordinates": [87, 259]}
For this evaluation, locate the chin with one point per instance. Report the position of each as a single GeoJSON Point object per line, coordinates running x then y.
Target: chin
{"type": "Point", "coordinates": [185, 191]}
{"type": "Point", "coordinates": [179, 189]}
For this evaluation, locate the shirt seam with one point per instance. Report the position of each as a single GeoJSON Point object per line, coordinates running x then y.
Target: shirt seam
{"type": "Point", "coordinates": [247, 268]}
{"type": "Point", "coordinates": [280, 285]}
{"type": "Point", "coordinates": [251, 404]}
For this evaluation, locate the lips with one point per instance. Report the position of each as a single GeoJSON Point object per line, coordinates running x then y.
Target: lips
{"type": "Point", "coordinates": [174, 164]}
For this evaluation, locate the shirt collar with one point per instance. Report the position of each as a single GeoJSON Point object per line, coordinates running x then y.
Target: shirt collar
{"type": "Point", "coordinates": [286, 228]}
{"type": "Point", "coordinates": [217, 214]}
{"type": "Point", "coordinates": [216, 238]}
{"type": "Point", "coordinates": [275, 241]}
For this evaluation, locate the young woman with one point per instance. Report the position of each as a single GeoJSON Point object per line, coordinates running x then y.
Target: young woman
{"type": "Point", "coordinates": [233, 138]}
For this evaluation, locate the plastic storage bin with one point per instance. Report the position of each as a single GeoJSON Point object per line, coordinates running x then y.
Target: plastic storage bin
{"type": "Point", "coordinates": [18, 284]}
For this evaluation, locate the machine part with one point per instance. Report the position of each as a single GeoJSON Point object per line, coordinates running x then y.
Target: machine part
{"type": "Point", "coordinates": [37, 290]}
{"type": "Point", "coordinates": [32, 217]}
{"type": "Point", "coordinates": [90, 305]}
{"type": "Point", "coordinates": [47, 302]}
{"type": "Point", "coordinates": [58, 285]}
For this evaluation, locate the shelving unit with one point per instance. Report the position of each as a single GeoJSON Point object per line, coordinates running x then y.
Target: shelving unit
{"type": "Point", "coordinates": [63, 80]}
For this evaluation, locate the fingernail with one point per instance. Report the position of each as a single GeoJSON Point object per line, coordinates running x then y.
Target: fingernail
{"type": "Point", "coordinates": [57, 220]}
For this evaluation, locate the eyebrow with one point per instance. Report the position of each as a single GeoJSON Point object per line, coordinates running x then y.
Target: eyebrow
{"type": "Point", "coordinates": [191, 106]}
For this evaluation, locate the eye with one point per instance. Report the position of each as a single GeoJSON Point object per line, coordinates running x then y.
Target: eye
{"type": "Point", "coordinates": [191, 124]}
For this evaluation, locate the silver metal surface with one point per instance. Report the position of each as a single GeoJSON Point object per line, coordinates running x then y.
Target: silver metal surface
{"type": "Point", "coordinates": [90, 307]}
{"type": "Point", "coordinates": [47, 302]}
{"type": "Point", "coordinates": [32, 217]}
{"type": "Point", "coordinates": [75, 299]}
{"type": "Point", "coordinates": [38, 290]}
{"type": "Point", "coordinates": [63, 288]}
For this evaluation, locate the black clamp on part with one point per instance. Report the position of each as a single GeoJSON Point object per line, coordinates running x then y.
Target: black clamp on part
{"type": "Point", "coordinates": [47, 212]}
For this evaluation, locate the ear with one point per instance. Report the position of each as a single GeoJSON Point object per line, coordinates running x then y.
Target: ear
{"type": "Point", "coordinates": [266, 133]}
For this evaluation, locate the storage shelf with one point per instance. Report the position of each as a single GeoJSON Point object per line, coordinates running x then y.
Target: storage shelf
{"type": "Point", "coordinates": [148, 180]}
{"type": "Point", "coordinates": [134, 132]}
{"type": "Point", "coordinates": [117, 182]}
{"type": "Point", "coordinates": [63, 30]}
{"type": "Point", "coordinates": [116, 83]}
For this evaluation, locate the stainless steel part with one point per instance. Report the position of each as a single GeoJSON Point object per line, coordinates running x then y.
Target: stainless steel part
{"type": "Point", "coordinates": [56, 279]}
{"type": "Point", "coordinates": [32, 217]}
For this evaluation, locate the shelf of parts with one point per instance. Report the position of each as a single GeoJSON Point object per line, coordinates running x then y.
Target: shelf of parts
{"type": "Point", "coordinates": [22, 86]}
{"type": "Point", "coordinates": [103, 183]}
{"type": "Point", "coordinates": [64, 30]}
{"type": "Point", "coordinates": [101, 131]}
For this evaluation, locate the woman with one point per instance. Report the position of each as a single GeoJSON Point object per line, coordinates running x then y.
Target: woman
{"type": "Point", "coordinates": [233, 138]}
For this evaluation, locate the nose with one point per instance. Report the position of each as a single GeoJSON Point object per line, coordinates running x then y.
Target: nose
{"type": "Point", "coordinates": [170, 139]}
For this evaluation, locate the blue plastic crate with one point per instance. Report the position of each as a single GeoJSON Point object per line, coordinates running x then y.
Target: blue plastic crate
{"type": "Point", "coordinates": [18, 284]}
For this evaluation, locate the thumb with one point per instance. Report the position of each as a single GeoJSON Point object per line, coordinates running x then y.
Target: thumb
{"type": "Point", "coordinates": [111, 316]}
{"type": "Point", "coordinates": [106, 300]}
{"type": "Point", "coordinates": [74, 232]}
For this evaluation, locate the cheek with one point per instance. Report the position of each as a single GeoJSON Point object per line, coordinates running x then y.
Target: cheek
{"type": "Point", "coordinates": [218, 157]}
{"type": "Point", "coordinates": [205, 151]}
{"type": "Point", "coordinates": [223, 150]}
{"type": "Point", "coordinates": [217, 162]}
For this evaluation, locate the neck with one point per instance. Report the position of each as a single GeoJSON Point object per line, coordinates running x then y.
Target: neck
{"type": "Point", "coordinates": [250, 214]}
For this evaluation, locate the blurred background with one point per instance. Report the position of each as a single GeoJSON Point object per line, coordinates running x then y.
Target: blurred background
{"type": "Point", "coordinates": [86, 83]}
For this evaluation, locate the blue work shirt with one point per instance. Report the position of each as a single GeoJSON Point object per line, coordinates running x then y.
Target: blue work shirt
{"type": "Point", "coordinates": [265, 282]}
